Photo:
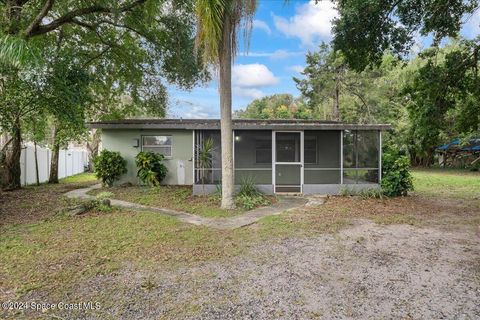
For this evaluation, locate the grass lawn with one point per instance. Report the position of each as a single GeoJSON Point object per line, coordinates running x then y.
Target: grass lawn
{"type": "Point", "coordinates": [447, 183]}
{"type": "Point", "coordinates": [46, 253]}
{"type": "Point", "coordinates": [34, 203]}
{"type": "Point", "coordinates": [177, 198]}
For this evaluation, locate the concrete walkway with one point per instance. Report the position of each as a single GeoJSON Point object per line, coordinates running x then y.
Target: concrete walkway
{"type": "Point", "coordinates": [283, 204]}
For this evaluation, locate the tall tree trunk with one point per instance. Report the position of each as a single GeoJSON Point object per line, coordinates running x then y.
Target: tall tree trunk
{"type": "Point", "coordinates": [336, 102]}
{"type": "Point", "coordinates": [13, 171]}
{"type": "Point", "coordinates": [92, 147]}
{"type": "Point", "coordinates": [36, 163]}
{"type": "Point", "coordinates": [54, 162]}
{"type": "Point", "coordinates": [226, 128]}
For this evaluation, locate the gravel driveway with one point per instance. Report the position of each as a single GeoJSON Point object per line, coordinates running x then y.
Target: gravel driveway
{"type": "Point", "coordinates": [367, 271]}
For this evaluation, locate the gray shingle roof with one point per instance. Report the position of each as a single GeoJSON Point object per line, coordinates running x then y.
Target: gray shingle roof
{"type": "Point", "coordinates": [238, 124]}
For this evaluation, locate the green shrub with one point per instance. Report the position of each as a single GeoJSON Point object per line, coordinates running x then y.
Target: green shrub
{"type": "Point", "coordinates": [151, 170]}
{"type": "Point", "coordinates": [109, 166]}
{"type": "Point", "coordinates": [376, 193]}
{"type": "Point", "coordinates": [248, 196]}
{"type": "Point", "coordinates": [250, 202]}
{"type": "Point", "coordinates": [247, 186]}
{"type": "Point", "coordinates": [396, 177]}
{"type": "Point", "coordinates": [103, 195]}
{"type": "Point", "coordinates": [365, 193]}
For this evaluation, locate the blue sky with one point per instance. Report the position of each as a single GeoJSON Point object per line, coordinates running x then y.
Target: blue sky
{"type": "Point", "coordinates": [281, 36]}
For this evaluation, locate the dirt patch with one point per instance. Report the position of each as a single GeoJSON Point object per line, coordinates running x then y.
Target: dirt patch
{"type": "Point", "coordinates": [367, 271]}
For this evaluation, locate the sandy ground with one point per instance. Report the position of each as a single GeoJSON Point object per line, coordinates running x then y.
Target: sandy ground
{"type": "Point", "coordinates": [367, 271]}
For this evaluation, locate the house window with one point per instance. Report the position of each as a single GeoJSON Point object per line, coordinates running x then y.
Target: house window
{"type": "Point", "coordinates": [158, 144]}
{"type": "Point", "coordinates": [263, 151]}
{"type": "Point", "coordinates": [310, 150]}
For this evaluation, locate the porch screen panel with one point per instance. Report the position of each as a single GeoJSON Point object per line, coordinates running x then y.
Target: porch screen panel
{"type": "Point", "coordinates": [361, 150]}
{"type": "Point", "coordinates": [253, 156]}
{"type": "Point", "coordinates": [322, 157]}
{"type": "Point", "coordinates": [209, 171]}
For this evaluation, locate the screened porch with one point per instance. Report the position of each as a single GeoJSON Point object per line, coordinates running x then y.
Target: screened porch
{"type": "Point", "coordinates": [307, 161]}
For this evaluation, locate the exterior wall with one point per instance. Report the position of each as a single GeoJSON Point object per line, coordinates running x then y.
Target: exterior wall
{"type": "Point", "coordinates": [335, 189]}
{"type": "Point", "coordinates": [198, 189]}
{"type": "Point", "coordinates": [182, 152]}
{"type": "Point", "coordinates": [323, 176]}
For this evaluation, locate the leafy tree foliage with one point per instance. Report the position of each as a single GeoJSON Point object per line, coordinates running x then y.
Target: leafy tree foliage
{"type": "Point", "coordinates": [366, 29]}
{"type": "Point", "coordinates": [443, 98]}
{"type": "Point", "coordinates": [128, 50]}
{"type": "Point", "coordinates": [277, 106]}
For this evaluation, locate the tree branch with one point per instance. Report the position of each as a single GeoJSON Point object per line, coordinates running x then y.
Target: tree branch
{"type": "Point", "coordinates": [38, 19]}
{"type": "Point", "coordinates": [71, 16]}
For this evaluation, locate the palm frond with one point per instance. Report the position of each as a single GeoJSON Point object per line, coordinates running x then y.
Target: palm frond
{"type": "Point", "coordinates": [211, 16]}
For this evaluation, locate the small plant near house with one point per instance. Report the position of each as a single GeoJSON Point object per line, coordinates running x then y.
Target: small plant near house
{"type": "Point", "coordinates": [396, 177]}
{"type": "Point", "coordinates": [249, 197]}
{"type": "Point", "coordinates": [109, 166]}
{"type": "Point", "coordinates": [102, 201]}
{"type": "Point", "coordinates": [204, 158]}
{"type": "Point", "coordinates": [365, 193]}
{"type": "Point", "coordinates": [151, 169]}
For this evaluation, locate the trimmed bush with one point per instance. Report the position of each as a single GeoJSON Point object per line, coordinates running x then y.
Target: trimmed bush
{"type": "Point", "coordinates": [151, 169]}
{"type": "Point", "coordinates": [109, 166]}
{"type": "Point", "coordinates": [396, 177]}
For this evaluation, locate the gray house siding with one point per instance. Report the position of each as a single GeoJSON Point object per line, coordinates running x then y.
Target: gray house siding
{"type": "Point", "coordinates": [182, 152]}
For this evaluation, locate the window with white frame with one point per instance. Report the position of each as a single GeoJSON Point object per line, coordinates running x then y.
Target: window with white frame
{"type": "Point", "coordinates": [158, 144]}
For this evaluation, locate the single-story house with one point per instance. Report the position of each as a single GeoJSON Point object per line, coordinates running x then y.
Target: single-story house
{"type": "Point", "coordinates": [299, 156]}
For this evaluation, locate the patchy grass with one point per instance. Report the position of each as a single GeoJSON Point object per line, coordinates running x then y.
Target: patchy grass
{"type": "Point", "coordinates": [174, 197]}
{"type": "Point", "coordinates": [70, 250]}
{"type": "Point", "coordinates": [447, 183]}
{"type": "Point", "coordinates": [35, 203]}
{"type": "Point", "coordinates": [86, 177]}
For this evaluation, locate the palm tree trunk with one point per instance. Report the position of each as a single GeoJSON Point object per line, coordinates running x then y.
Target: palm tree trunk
{"type": "Point", "coordinates": [226, 129]}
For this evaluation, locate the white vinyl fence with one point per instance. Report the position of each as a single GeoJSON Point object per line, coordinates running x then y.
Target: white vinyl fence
{"type": "Point", "coordinates": [70, 162]}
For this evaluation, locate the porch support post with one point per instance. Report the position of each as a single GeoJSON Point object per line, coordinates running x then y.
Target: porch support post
{"type": "Point", "coordinates": [273, 160]}
{"type": "Point", "coordinates": [301, 160]}
{"type": "Point", "coordinates": [380, 156]}
{"type": "Point", "coordinates": [194, 156]}
{"type": "Point", "coordinates": [341, 156]}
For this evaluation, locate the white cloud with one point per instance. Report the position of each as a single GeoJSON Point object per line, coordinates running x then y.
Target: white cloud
{"type": "Point", "coordinates": [262, 25]}
{"type": "Point", "coordinates": [311, 23]}
{"type": "Point", "coordinates": [248, 92]}
{"type": "Point", "coordinates": [296, 68]}
{"type": "Point", "coordinates": [252, 75]}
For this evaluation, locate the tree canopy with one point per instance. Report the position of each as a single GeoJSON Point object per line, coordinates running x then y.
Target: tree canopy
{"type": "Point", "coordinates": [365, 29]}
